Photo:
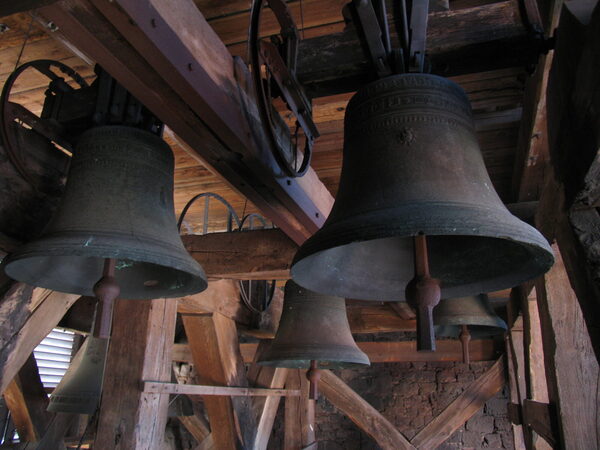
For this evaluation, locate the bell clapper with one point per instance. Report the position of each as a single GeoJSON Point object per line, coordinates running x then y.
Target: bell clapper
{"type": "Point", "coordinates": [106, 290]}
{"type": "Point", "coordinates": [465, 337]}
{"type": "Point", "coordinates": [314, 375]}
{"type": "Point", "coordinates": [423, 293]}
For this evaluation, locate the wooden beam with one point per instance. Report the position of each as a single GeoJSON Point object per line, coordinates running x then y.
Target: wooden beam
{"type": "Point", "coordinates": [572, 370]}
{"type": "Point", "coordinates": [532, 154]}
{"type": "Point", "coordinates": [380, 352]}
{"type": "Point", "coordinates": [215, 350]}
{"type": "Point", "coordinates": [27, 401]}
{"type": "Point", "coordinates": [462, 41]}
{"type": "Point", "coordinates": [197, 89]}
{"type": "Point", "coordinates": [540, 418]}
{"type": "Point", "coordinates": [367, 418]}
{"type": "Point", "coordinates": [462, 408]}
{"type": "Point", "coordinates": [222, 296]}
{"type": "Point", "coordinates": [26, 317]}
{"type": "Point", "coordinates": [224, 391]}
{"type": "Point", "coordinates": [376, 319]}
{"type": "Point", "coordinates": [244, 255]}
{"type": "Point", "coordinates": [130, 418]}
{"type": "Point", "coordinates": [265, 408]}
{"type": "Point", "coordinates": [299, 416]}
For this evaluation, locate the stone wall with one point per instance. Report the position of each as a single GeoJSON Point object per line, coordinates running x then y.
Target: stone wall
{"type": "Point", "coordinates": [410, 395]}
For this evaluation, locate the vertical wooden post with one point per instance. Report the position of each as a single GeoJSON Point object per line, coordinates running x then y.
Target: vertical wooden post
{"type": "Point", "coordinates": [571, 367]}
{"type": "Point", "coordinates": [299, 422]}
{"type": "Point", "coordinates": [265, 408]}
{"type": "Point", "coordinates": [216, 353]}
{"type": "Point", "coordinates": [140, 349]}
{"type": "Point", "coordinates": [27, 401]}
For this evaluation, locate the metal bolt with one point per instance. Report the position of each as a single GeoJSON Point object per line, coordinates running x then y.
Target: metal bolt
{"type": "Point", "coordinates": [52, 26]}
{"type": "Point", "coordinates": [4, 28]}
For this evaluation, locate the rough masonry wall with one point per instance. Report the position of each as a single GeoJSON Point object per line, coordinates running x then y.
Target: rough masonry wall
{"type": "Point", "coordinates": [410, 395]}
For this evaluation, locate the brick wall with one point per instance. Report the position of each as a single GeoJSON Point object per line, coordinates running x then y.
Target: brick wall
{"type": "Point", "coordinates": [410, 395]}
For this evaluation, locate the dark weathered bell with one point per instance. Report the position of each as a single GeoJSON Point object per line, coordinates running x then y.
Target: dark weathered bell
{"type": "Point", "coordinates": [412, 166]}
{"type": "Point", "coordinates": [118, 203]}
{"type": "Point", "coordinates": [313, 327]}
{"type": "Point", "coordinates": [474, 311]}
{"type": "Point", "coordinates": [79, 390]}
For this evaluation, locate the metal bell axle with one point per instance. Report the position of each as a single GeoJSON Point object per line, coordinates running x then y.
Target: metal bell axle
{"type": "Point", "coordinates": [118, 204]}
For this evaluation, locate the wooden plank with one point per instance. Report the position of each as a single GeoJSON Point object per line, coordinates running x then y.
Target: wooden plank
{"type": "Point", "coordinates": [380, 352]}
{"type": "Point", "coordinates": [27, 317]}
{"type": "Point", "coordinates": [572, 375]}
{"type": "Point", "coordinates": [539, 417]}
{"type": "Point", "coordinates": [377, 319]}
{"type": "Point", "coordinates": [299, 416]}
{"type": "Point", "coordinates": [197, 389]}
{"type": "Point", "coordinates": [462, 408]}
{"type": "Point", "coordinates": [214, 346]}
{"type": "Point", "coordinates": [265, 408]}
{"type": "Point", "coordinates": [245, 255]}
{"type": "Point", "coordinates": [195, 88]}
{"type": "Point", "coordinates": [367, 418]}
{"type": "Point", "coordinates": [27, 401]}
{"type": "Point", "coordinates": [532, 148]}
{"type": "Point", "coordinates": [130, 418]}
{"type": "Point", "coordinates": [222, 296]}
{"type": "Point", "coordinates": [458, 42]}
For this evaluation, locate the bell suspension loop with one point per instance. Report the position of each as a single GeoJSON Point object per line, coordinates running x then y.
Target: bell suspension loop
{"type": "Point", "coordinates": [423, 293]}
{"type": "Point", "coordinates": [465, 338]}
{"type": "Point", "coordinates": [106, 290]}
{"type": "Point", "coordinates": [313, 375]}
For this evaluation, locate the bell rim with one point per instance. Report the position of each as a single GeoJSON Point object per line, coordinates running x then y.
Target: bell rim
{"type": "Point", "coordinates": [431, 219]}
{"type": "Point", "coordinates": [44, 247]}
{"type": "Point", "coordinates": [338, 356]}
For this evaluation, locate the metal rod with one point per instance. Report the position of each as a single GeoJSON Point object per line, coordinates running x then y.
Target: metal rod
{"type": "Point", "coordinates": [106, 290]}
{"type": "Point", "coordinates": [313, 375]}
{"type": "Point", "coordinates": [465, 337]}
{"type": "Point", "coordinates": [423, 294]}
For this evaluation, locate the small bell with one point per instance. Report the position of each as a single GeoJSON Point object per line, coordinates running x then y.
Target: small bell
{"type": "Point", "coordinates": [79, 390]}
{"type": "Point", "coordinates": [313, 333]}
{"type": "Point", "coordinates": [466, 317]}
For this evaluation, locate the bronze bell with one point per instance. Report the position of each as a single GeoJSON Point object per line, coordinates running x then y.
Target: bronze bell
{"type": "Point", "coordinates": [79, 390]}
{"type": "Point", "coordinates": [313, 327]}
{"type": "Point", "coordinates": [412, 166]}
{"type": "Point", "coordinates": [474, 311]}
{"type": "Point", "coordinates": [467, 317]}
{"type": "Point", "coordinates": [118, 204]}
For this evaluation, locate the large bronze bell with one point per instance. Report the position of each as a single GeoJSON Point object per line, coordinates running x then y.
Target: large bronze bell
{"type": "Point", "coordinates": [313, 327]}
{"type": "Point", "coordinates": [79, 390]}
{"type": "Point", "coordinates": [118, 204]}
{"type": "Point", "coordinates": [412, 166]}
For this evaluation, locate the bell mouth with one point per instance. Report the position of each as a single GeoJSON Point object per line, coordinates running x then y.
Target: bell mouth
{"type": "Point", "coordinates": [147, 270]}
{"type": "Point", "coordinates": [471, 250]}
{"type": "Point", "coordinates": [329, 357]}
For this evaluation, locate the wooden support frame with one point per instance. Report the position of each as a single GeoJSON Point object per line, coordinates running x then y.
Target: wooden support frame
{"type": "Point", "coordinates": [381, 352]}
{"type": "Point", "coordinates": [130, 418]}
{"type": "Point", "coordinates": [299, 415]}
{"type": "Point", "coordinates": [215, 351]}
{"type": "Point", "coordinates": [27, 316]}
